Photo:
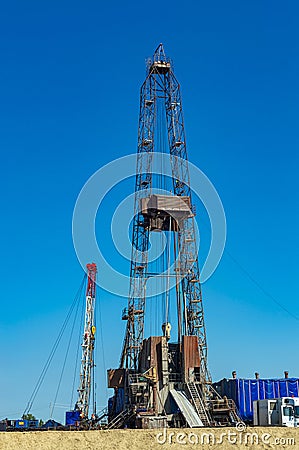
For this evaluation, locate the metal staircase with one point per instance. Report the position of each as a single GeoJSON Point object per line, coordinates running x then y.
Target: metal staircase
{"type": "Point", "coordinates": [198, 404]}
{"type": "Point", "coordinates": [102, 414]}
{"type": "Point", "coordinates": [119, 420]}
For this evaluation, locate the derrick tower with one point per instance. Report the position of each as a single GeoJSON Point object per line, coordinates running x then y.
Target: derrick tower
{"type": "Point", "coordinates": [88, 342]}
{"type": "Point", "coordinates": [161, 85]}
{"type": "Point", "coordinates": [162, 377]}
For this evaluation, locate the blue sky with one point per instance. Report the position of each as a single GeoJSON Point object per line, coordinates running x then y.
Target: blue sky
{"type": "Point", "coordinates": [69, 99]}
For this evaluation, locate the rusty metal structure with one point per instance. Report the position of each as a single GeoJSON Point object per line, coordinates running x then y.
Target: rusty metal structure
{"type": "Point", "coordinates": [164, 380]}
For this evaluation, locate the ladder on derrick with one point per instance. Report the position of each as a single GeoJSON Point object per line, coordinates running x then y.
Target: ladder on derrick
{"type": "Point", "coordinates": [198, 404]}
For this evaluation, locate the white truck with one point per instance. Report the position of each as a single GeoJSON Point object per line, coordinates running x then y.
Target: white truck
{"type": "Point", "coordinates": [282, 411]}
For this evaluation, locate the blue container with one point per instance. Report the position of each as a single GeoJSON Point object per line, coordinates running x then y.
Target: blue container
{"type": "Point", "coordinates": [22, 423]}
{"type": "Point", "coordinates": [32, 423]}
{"type": "Point", "coordinates": [245, 391]}
{"type": "Point", "coordinates": [72, 417]}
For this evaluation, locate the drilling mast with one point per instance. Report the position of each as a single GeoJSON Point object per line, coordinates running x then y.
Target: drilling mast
{"type": "Point", "coordinates": [161, 84]}
{"type": "Point", "coordinates": [87, 361]}
{"type": "Point", "coordinates": [158, 380]}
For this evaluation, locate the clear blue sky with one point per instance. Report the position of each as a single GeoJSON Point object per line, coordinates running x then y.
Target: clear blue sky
{"type": "Point", "coordinates": [70, 75]}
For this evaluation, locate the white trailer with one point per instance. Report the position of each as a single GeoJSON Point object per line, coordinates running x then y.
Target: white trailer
{"type": "Point", "coordinates": [296, 411]}
{"type": "Point", "coordinates": [282, 411]}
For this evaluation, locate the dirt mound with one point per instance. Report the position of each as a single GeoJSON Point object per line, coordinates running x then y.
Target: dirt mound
{"type": "Point", "coordinates": [208, 438]}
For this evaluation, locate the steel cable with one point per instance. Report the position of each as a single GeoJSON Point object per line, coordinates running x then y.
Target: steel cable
{"type": "Point", "coordinates": [53, 350]}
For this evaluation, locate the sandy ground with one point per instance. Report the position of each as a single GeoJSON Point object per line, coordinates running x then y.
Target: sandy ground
{"type": "Point", "coordinates": [224, 439]}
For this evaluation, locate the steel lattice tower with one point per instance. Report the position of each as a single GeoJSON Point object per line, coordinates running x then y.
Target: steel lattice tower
{"type": "Point", "coordinates": [88, 341]}
{"type": "Point", "coordinates": [161, 83]}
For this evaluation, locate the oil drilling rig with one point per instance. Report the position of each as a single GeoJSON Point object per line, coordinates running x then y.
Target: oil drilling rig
{"type": "Point", "coordinates": [80, 415]}
{"type": "Point", "coordinates": [164, 380]}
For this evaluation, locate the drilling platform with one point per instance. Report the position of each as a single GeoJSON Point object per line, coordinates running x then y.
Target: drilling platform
{"type": "Point", "coordinates": [163, 380]}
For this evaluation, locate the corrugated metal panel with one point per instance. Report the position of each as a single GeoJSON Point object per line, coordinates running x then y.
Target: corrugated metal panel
{"type": "Point", "coordinates": [169, 203]}
{"type": "Point", "coordinates": [151, 354]}
{"type": "Point", "coordinates": [120, 401]}
{"type": "Point", "coordinates": [116, 378]}
{"type": "Point", "coordinates": [245, 391]}
{"type": "Point", "coordinates": [190, 354]}
{"type": "Point", "coordinates": [186, 409]}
